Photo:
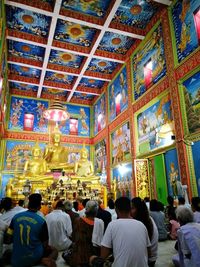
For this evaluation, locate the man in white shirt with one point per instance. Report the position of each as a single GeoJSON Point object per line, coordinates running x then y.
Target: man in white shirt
{"type": "Point", "coordinates": [126, 237]}
{"type": "Point", "coordinates": [59, 228]}
{"type": "Point", "coordinates": [9, 211]}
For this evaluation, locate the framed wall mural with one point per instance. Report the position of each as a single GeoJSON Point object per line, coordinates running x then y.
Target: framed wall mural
{"type": "Point", "coordinates": [100, 114]}
{"type": "Point", "coordinates": [122, 180]}
{"type": "Point", "coordinates": [17, 153]}
{"type": "Point", "coordinates": [186, 27]}
{"type": "Point", "coordinates": [74, 152]}
{"type": "Point", "coordinates": [27, 115]}
{"type": "Point", "coordinates": [148, 63]}
{"type": "Point", "coordinates": [190, 95]}
{"type": "Point", "coordinates": [155, 125]}
{"type": "Point", "coordinates": [173, 175]}
{"type": "Point", "coordinates": [120, 144]}
{"type": "Point", "coordinates": [79, 122]}
{"type": "Point", "coordinates": [196, 160]}
{"type": "Point", "coordinates": [100, 157]}
{"type": "Point", "coordinates": [118, 95]}
{"type": "Point", "coordinates": [5, 185]}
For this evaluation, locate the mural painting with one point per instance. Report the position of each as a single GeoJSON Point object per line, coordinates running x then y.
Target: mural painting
{"type": "Point", "coordinates": [102, 66]}
{"type": "Point", "coordinates": [65, 59]}
{"type": "Point", "coordinates": [92, 8]}
{"type": "Point", "coordinates": [28, 51]}
{"type": "Point", "coordinates": [24, 71]}
{"type": "Point", "coordinates": [17, 153]}
{"type": "Point", "coordinates": [120, 144]}
{"type": "Point", "coordinates": [100, 114]}
{"type": "Point", "coordinates": [54, 93]}
{"type": "Point", "coordinates": [100, 157]}
{"type": "Point", "coordinates": [27, 115]}
{"type": "Point", "coordinates": [27, 21]}
{"type": "Point", "coordinates": [17, 87]}
{"type": "Point", "coordinates": [118, 95]}
{"type": "Point", "coordinates": [174, 184]}
{"type": "Point", "coordinates": [191, 92]}
{"type": "Point", "coordinates": [155, 125]}
{"type": "Point", "coordinates": [148, 63]}
{"type": "Point", "coordinates": [59, 77]}
{"type": "Point", "coordinates": [6, 185]}
{"type": "Point", "coordinates": [186, 22]}
{"type": "Point", "coordinates": [115, 43]}
{"type": "Point", "coordinates": [73, 33]}
{"type": "Point", "coordinates": [196, 160]}
{"type": "Point", "coordinates": [122, 181]}
{"type": "Point", "coordinates": [135, 13]}
{"type": "Point", "coordinates": [91, 83]}
{"type": "Point", "coordinates": [78, 123]}
{"type": "Point", "coordinates": [80, 96]}
{"type": "Point", "coordinates": [142, 178]}
{"type": "Point", "coordinates": [74, 152]}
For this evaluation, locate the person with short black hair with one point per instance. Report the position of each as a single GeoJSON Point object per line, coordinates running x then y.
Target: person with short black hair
{"type": "Point", "coordinates": [29, 234]}
{"type": "Point", "coordinates": [111, 208]}
{"type": "Point", "coordinates": [159, 218]}
{"type": "Point", "coordinates": [126, 237]}
{"type": "Point", "coordinates": [8, 210]}
{"type": "Point", "coordinates": [60, 227]}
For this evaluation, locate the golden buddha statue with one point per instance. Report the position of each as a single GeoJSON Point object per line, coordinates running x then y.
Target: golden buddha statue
{"type": "Point", "coordinates": [56, 155]}
{"type": "Point", "coordinates": [35, 169]}
{"type": "Point", "coordinates": [83, 169]}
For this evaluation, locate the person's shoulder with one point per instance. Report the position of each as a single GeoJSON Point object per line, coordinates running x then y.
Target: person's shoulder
{"type": "Point", "coordinates": [20, 214]}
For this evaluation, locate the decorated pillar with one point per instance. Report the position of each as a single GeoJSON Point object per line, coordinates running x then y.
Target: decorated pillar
{"type": "Point", "coordinates": [179, 134]}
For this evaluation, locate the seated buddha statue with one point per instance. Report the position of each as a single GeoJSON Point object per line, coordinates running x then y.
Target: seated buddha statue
{"type": "Point", "coordinates": [35, 169]}
{"type": "Point", "coordinates": [55, 154]}
{"type": "Point", "coordinates": [83, 168]}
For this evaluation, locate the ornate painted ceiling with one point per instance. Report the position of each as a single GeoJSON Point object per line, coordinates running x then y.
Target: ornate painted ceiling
{"type": "Point", "coordinates": [72, 49]}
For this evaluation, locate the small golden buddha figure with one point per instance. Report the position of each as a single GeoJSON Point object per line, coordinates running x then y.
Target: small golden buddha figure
{"type": "Point", "coordinates": [55, 154]}
{"type": "Point", "coordinates": [83, 168]}
{"type": "Point", "coordinates": [9, 188]}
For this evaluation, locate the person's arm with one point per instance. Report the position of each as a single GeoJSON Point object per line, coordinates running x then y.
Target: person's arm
{"type": "Point", "coordinates": [105, 252]}
{"type": "Point", "coordinates": [106, 244]}
{"type": "Point", "coordinates": [8, 237]}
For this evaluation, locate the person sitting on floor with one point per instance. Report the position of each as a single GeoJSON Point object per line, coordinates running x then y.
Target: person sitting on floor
{"type": "Point", "coordinates": [87, 236]}
{"type": "Point", "coordinates": [126, 238]}
{"type": "Point", "coordinates": [188, 239]}
{"type": "Point", "coordinates": [29, 234]}
{"type": "Point", "coordinates": [174, 225]}
{"type": "Point", "coordinates": [159, 219]}
{"type": "Point", "coordinates": [139, 211]}
{"type": "Point", "coordinates": [59, 227]}
{"type": "Point", "coordinates": [196, 208]}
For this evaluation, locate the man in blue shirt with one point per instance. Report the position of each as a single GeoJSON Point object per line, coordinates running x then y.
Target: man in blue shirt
{"type": "Point", "coordinates": [30, 235]}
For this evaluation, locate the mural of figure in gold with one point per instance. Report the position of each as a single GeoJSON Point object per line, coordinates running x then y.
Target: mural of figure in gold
{"type": "Point", "coordinates": [177, 187]}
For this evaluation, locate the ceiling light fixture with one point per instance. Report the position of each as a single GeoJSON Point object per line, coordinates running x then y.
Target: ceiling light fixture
{"type": "Point", "coordinates": [56, 112]}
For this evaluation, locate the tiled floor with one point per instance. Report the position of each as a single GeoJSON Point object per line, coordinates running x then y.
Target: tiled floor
{"type": "Point", "coordinates": [165, 252]}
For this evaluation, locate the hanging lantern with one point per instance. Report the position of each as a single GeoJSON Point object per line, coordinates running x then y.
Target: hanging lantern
{"type": "Point", "coordinates": [56, 112]}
